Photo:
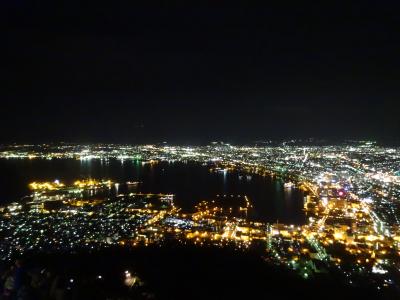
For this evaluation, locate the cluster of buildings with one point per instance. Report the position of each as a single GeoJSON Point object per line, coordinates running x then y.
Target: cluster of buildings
{"type": "Point", "coordinates": [352, 207]}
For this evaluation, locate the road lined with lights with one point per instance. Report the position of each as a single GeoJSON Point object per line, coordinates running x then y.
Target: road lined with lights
{"type": "Point", "coordinates": [352, 207]}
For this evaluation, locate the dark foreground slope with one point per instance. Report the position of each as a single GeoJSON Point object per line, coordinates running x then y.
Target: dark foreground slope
{"type": "Point", "coordinates": [177, 272]}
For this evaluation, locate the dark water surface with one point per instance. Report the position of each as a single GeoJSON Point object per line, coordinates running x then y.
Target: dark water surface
{"type": "Point", "coordinates": [190, 182]}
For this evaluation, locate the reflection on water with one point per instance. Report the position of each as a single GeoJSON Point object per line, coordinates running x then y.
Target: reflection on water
{"type": "Point", "coordinates": [190, 182]}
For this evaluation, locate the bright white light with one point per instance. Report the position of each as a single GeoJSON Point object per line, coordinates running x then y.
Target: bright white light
{"type": "Point", "coordinates": [378, 270]}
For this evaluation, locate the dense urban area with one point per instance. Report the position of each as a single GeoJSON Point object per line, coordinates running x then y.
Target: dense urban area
{"type": "Point", "coordinates": [352, 194]}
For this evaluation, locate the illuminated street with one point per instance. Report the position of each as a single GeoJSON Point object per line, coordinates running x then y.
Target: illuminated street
{"type": "Point", "coordinates": [350, 203]}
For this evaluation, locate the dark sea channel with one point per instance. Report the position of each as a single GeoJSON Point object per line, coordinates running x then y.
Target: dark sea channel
{"type": "Point", "coordinates": [191, 182]}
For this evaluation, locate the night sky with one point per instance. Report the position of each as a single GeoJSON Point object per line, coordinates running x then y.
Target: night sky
{"type": "Point", "coordinates": [183, 74]}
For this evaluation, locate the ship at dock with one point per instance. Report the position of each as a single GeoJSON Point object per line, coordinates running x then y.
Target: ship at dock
{"type": "Point", "coordinates": [288, 185]}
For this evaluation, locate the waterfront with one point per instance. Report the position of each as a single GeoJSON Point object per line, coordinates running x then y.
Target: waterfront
{"type": "Point", "coordinates": [190, 182]}
{"type": "Point", "coordinates": [79, 199]}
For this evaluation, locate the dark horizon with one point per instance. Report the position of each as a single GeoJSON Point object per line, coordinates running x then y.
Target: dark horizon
{"type": "Point", "coordinates": [147, 74]}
